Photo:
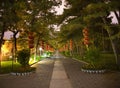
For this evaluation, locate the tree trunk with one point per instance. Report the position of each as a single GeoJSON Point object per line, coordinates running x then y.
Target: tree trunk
{"type": "Point", "coordinates": [36, 48]}
{"type": "Point", "coordinates": [1, 42]}
{"type": "Point", "coordinates": [76, 47]}
{"type": "Point", "coordinates": [15, 45]}
{"type": "Point", "coordinates": [70, 47]}
{"type": "Point", "coordinates": [114, 47]}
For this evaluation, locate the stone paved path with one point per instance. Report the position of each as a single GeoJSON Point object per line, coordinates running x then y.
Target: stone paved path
{"type": "Point", "coordinates": [59, 77]}
{"type": "Point", "coordinates": [40, 79]}
{"type": "Point", "coordinates": [77, 78]}
{"type": "Point", "coordinates": [80, 79]}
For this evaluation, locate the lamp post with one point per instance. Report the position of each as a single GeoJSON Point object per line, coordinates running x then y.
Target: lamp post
{"type": "Point", "coordinates": [40, 50]}
{"type": "Point", "coordinates": [12, 51]}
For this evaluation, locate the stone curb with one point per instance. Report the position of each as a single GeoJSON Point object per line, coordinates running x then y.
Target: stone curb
{"type": "Point", "coordinates": [93, 71]}
{"type": "Point", "coordinates": [22, 74]}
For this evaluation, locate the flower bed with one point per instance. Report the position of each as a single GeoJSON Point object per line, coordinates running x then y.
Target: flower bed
{"type": "Point", "coordinates": [93, 71]}
{"type": "Point", "coordinates": [88, 68]}
{"type": "Point", "coordinates": [23, 71]}
{"type": "Point", "coordinates": [21, 74]}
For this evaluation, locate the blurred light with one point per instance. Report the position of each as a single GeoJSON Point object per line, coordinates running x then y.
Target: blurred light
{"type": "Point", "coordinates": [40, 49]}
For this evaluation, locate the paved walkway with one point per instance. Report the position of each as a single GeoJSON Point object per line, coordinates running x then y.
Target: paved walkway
{"type": "Point", "coordinates": [59, 77]}
{"type": "Point", "coordinates": [80, 79]}
{"type": "Point", "coordinates": [40, 79]}
{"type": "Point", "coordinates": [49, 71]}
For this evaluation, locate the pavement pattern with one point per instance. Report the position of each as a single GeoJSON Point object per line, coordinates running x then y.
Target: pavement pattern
{"type": "Point", "coordinates": [80, 79]}
{"type": "Point", "coordinates": [43, 76]}
{"type": "Point", "coordinates": [40, 79]}
{"type": "Point", "coordinates": [59, 77]}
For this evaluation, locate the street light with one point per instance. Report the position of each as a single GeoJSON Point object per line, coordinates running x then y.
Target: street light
{"type": "Point", "coordinates": [40, 50]}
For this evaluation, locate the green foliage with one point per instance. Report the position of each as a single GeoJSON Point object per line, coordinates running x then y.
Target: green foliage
{"type": "Point", "coordinates": [109, 61]}
{"type": "Point", "coordinates": [23, 57]}
{"type": "Point", "coordinates": [22, 69]}
{"type": "Point", "coordinates": [6, 66]}
{"type": "Point", "coordinates": [92, 55]}
{"type": "Point", "coordinates": [66, 53]}
{"type": "Point", "coordinates": [94, 67]}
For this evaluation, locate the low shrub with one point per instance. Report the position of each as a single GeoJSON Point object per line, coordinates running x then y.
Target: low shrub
{"type": "Point", "coordinates": [23, 57]}
{"type": "Point", "coordinates": [94, 66]}
{"type": "Point", "coordinates": [92, 55]}
{"type": "Point", "coordinates": [24, 69]}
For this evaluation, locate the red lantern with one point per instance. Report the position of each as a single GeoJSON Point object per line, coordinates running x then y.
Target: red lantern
{"type": "Point", "coordinates": [85, 34]}
{"type": "Point", "coordinates": [31, 40]}
{"type": "Point", "coordinates": [42, 44]}
{"type": "Point", "coordinates": [86, 38]}
{"type": "Point", "coordinates": [85, 30]}
{"type": "Point", "coordinates": [86, 42]}
{"type": "Point", "coordinates": [31, 46]}
{"type": "Point", "coordinates": [71, 44]}
{"type": "Point", "coordinates": [31, 37]}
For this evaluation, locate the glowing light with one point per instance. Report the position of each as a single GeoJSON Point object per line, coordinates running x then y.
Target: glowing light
{"type": "Point", "coordinates": [40, 49]}
{"type": "Point", "coordinates": [6, 48]}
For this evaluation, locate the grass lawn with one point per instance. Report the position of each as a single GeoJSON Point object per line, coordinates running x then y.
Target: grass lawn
{"type": "Point", "coordinates": [8, 66]}
{"type": "Point", "coordinates": [109, 61]}
{"type": "Point", "coordinates": [106, 59]}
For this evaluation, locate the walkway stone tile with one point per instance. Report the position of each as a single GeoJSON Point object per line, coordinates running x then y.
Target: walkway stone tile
{"type": "Point", "coordinates": [80, 79]}
{"type": "Point", "coordinates": [40, 79]}
{"type": "Point", "coordinates": [61, 73]}
{"type": "Point", "coordinates": [60, 83]}
{"type": "Point", "coordinates": [59, 77]}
